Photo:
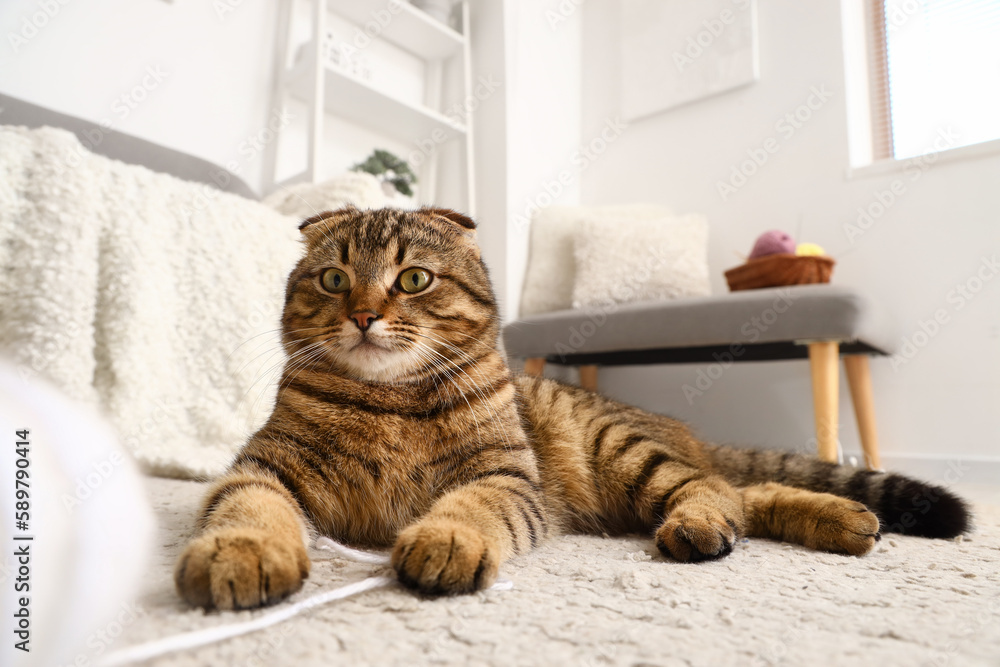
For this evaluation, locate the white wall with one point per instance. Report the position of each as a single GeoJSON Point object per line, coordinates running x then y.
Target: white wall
{"type": "Point", "coordinates": [215, 65]}
{"type": "Point", "coordinates": [214, 69]}
{"type": "Point", "coordinates": [939, 404]}
{"type": "Point", "coordinates": [489, 61]}
{"type": "Point", "coordinates": [543, 121]}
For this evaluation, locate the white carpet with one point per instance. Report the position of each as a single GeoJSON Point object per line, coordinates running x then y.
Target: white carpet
{"type": "Point", "coordinates": [582, 600]}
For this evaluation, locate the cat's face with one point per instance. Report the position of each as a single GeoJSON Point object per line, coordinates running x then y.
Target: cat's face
{"type": "Point", "coordinates": [389, 295]}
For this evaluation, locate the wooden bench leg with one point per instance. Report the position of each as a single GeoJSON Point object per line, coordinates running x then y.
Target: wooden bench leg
{"type": "Point", "coordinates": [859, 379]}
{"type": "Point", "coordinates": [534, 366]}
{"type": "Point", "coordinates": [588, 377]}
{"type": "Point", "coordinates": [825, 369]}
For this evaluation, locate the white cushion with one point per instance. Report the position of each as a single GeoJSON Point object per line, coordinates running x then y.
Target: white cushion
{"type": "Point", "coordinates": [551, 272]}
{"type": "Point", "coordinates": [629, 260]}
{"type": "Point", "coordinates": [304, 200]}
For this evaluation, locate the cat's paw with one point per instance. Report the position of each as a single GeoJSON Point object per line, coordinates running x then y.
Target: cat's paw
{"type": "Point", "coordinates": [440, 556]}
{"type": "Point", "coordinates": [696, 532]}
{"type": "Point", "coordinates": [240, 568]}
{"type": "Point", "coordinates": [841, 525]}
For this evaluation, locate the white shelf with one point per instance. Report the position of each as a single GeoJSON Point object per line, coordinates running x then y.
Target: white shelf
{"type": "Point", "coordinates": [359, 102]}
{"type": "Point", "coordinates": [409, 28]}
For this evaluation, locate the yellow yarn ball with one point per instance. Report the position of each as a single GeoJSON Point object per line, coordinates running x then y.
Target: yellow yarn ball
{"type": "Point", "coordinates": [808, 250]}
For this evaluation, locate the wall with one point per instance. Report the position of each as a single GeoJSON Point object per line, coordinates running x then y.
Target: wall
{"type": "Point", "coordinates": [934, 236]}
{"type": "Point", "coordinates": [489, 61]}
{"type": "Point", "coordinates": [212, 90]}
{"type": "Point", "coordinates": [211, 64]}
{"type": "Point", "coordinates": [544, 117]}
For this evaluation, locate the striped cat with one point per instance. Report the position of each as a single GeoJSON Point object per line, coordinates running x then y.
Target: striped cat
{"type": "Point", "coordinates": [397, 422]}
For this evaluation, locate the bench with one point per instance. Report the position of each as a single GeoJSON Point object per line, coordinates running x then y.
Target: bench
{"type": "Point", "coordinates": [818, 322]}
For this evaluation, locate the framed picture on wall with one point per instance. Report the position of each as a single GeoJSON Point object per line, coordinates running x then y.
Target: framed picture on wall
{"type": "Point", "coordinates": [680, 51]}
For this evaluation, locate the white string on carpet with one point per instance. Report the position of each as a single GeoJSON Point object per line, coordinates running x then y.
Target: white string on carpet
{"type": "Point", "coordinates": [196, 638]}
{"type": "Point", "coordinates": [344, 551]}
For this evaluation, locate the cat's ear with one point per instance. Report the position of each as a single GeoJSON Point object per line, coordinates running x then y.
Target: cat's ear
{"type": "Point", "coordinates": [317, 226]}
{"type": "Point", "coordinates": [454, 222]}
{"type": "Point", "coordinates": [467, 224]}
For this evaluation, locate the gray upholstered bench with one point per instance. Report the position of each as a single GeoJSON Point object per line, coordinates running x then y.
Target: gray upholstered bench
{"type": "Point", "coordinates": [821, 322]}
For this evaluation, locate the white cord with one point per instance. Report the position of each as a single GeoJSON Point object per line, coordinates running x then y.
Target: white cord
{"type": "Point", "coordinates": [359, 556]}
{"type": "Point", "coordinates": [189, 640]}
{"type": "Point", "coordinates": [197, 638]}
{"type": "Point", "coordinates": [344, 551]}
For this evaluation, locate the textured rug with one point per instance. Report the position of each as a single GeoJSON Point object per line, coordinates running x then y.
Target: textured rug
{"type": "Point", "coordinates": [590, 600]}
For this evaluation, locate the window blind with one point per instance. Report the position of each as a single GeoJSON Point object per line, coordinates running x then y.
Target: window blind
{"type": "Point", "coordinates": [934, 74]}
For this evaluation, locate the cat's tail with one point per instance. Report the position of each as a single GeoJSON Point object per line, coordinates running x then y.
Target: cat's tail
{"type": "Point", "coordinates": [902, 504]}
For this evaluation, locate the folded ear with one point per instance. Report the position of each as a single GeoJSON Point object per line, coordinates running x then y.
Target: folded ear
{"type": "Point", "coordinates": [316, 226]}
{"type": "Point", "coordinates": [453, 223]}
{"type": "Point", "coordinates": [463, 221]}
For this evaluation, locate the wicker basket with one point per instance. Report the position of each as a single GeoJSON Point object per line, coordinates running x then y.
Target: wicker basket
{"type": "Point", "coordinates": [778, 270]}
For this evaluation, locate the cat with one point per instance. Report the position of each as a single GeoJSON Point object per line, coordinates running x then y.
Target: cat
{"type": "Point", "coordinates": [398, 423]}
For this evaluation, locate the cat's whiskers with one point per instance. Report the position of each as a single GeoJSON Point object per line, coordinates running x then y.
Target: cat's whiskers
{"type": "Point", "coordinates": [494, 418]}
{"type": "Point", "coordinates": [474, 364]}
{"type": "Point", "coordinates": [446, 330]}
{"type": "Point", "coordinates": [305, 362]}
{"type": "Point", "coordinates": [419, 350]}
{"type": "Point", "coordinates": [315, 352]}
{"type": "Point", "coordinates": [278, 331]}
{"type": "Point", "coordinates": [268, 373]}
{"type": "Point", "coordinates": [280, 347]}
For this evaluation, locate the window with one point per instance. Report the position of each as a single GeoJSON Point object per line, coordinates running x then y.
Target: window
{"type": "Point", "coordinates": [934, 75]}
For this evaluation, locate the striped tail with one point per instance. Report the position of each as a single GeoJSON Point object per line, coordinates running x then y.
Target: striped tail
{"type": "Point", "coordinates": [903, 505]}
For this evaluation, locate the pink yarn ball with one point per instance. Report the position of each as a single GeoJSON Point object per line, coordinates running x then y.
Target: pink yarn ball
{"type": "Point", "coordinates": [772, 243]}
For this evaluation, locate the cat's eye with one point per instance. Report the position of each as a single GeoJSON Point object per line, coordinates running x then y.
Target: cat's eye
{"type": "Point", "coordinates": [414, 280]}
{"type": "Point", "coordinates": [335, 280]}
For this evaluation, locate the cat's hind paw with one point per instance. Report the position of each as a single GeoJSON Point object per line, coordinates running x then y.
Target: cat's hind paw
{"type": "Point", "coordinates": [694, 533]}
{"type": "Point", "coordinates": [842, 526]}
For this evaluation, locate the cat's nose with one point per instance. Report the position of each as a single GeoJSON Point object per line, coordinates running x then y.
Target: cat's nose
{"type": "Point", "coordinates": [364, 319]}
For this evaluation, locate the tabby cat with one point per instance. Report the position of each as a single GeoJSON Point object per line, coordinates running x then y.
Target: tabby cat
{"type": "Point", "coordinates": [397, 422]}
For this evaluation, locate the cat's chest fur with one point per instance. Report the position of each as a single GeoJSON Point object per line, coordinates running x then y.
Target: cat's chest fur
{"type": "Point", "coordinates": [382, 472]}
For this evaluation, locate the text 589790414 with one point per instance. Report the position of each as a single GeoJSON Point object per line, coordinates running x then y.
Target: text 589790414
{"type": "Point", "coordinates": [22, 541]}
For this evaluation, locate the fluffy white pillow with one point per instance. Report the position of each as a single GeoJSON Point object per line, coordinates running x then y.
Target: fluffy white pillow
{"type": "Point", "coordinates": [626, 261]}
{"type": "Point", "coordinates": [304, 200]}
{"type": "Point", "coordinates": [551, 272]}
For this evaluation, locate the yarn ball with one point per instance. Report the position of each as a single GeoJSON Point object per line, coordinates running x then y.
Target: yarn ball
{"type": "Point", "coordinates": [809, 250]}
{"type": "Point", "coordinates": [772, 243]}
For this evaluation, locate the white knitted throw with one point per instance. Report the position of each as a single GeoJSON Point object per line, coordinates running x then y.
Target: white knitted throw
{"type": "Point", "coordinates": [155, 298]}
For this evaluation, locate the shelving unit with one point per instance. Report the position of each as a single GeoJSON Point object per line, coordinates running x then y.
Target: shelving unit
{"type": "Point", "coordinates": [328, 89]}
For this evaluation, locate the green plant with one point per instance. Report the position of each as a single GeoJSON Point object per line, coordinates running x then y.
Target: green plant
{"type": "Point", "coordinates": [388, 168]}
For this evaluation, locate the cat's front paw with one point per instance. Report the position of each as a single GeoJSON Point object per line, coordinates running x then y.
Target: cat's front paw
{"type": "Point", "coordinates": [440, 556]}
{"type": "Point", "coordinates": [696, 532]}
{"type": "Point", "coordinates": [240, 568]}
